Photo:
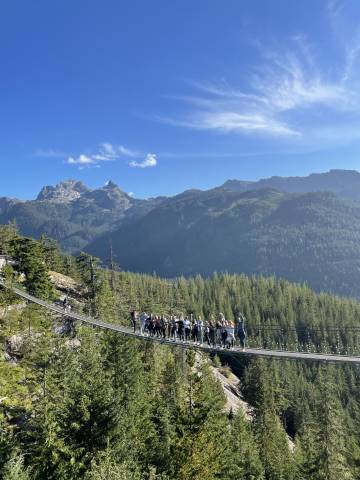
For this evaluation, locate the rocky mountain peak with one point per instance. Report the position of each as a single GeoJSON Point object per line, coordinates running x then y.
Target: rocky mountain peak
{"type": "Point", "coordinates": [63, 192]}
{"type": "Point", "coordinates": [110, 196]}
{"type": "Point", "coordinates": [110, 185]}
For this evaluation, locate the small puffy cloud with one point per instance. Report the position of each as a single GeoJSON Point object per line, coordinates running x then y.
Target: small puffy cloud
{"type": "Point", "coordinates": [106, 152]}
{"type": "Point", "coordinates": [149, 161]}
{"type": "Point", "coordinates": [81, 160]}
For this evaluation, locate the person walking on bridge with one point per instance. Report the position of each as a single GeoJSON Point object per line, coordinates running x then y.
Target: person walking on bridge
{"type": "Point", "coordinates": [187, 327]}
{"type": "Point", "coordinates": [134, 318]}
{"type": "Point", "coordinates": [173, 328]}
{"type": "Point", "coordinates": [212, 333]}
{"type": "Point", "coordinates": [143, 321]}
{"type": "Point", "coordinates": [241, 331]}
{"type": "Point", "coordinates": [200, 331]}
{"type": "Point", "coordinates": [180, 330]}
{"type": "Point", "coordinates": [230, 337]}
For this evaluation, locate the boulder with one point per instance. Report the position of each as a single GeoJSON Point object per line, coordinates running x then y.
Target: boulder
{"type": "Point", "coordinates": [73, 343]}
{"type": "Point", "coordinates": [65, 283]}
{"type": "Point", "coordinates": [14, 345]}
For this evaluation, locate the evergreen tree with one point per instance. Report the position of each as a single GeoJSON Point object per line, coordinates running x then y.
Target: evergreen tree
{"type": "Point", "coordinates": [332, 461]}
{"type": "Point", "coordinates": [30, 257]}
{"type": "Point", "coordinates": [52, 254]}
{"type": "Point", "coordinates": [306, 454]}
{"type": "Point", "coordinates": [270, 436]}
{"type": "Point", "coordinates": [106, 468]}
{"type": "Point", "coordinates": [204, 443]}
{"type": "Point", "coordinates": [14, 468]}
{"type": "Point", "coordinates": [8, 236]}
{"type": "Point", "coordinates": [244, 460]}
{"type": "Point", "coordinates": [77, 417]}
{"type": "Point", "coordinates": [88, 269]}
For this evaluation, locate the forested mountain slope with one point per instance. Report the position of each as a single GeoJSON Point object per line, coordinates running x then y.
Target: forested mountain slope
{"type": "Point", "coordinates": [73, 214]}
{"type": "Point", "coordinates": [345, 183]}
{"type": "Point", "coordinates": [241, 227]}
{"type": "Point", "coordinates": [312, 237]}
{"type": "Point", "coordinates": [90, 405]}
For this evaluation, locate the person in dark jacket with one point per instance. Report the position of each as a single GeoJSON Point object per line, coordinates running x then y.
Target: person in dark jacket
{"type": "Point", "coordinates": [212, 333]}
{"type": "Point", "coordinates": [180, 330]}
{"type": "Point", "coordinates": [207, 333]}
{"type": "Point", "coordinates": [241, 331]}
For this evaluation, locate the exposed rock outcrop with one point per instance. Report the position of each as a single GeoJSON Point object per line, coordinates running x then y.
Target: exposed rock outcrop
{"type": "Point", "coordinates": [230, 385]}
{"type": "Point", "coordinates": [14, 346]}
{"type": "Point", "coordinates": [66, 284]}
{"type": "Point", "coordinates": [63, 192]}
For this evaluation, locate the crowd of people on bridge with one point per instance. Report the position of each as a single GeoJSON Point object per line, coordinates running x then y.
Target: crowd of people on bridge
{"type": "Point", "coordinates": [220, 333]}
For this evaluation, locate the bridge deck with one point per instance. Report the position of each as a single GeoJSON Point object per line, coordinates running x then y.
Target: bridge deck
{"type": "Point", "coordinates": [128, 332]}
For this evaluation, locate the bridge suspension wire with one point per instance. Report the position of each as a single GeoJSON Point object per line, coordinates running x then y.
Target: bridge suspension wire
{"type": "Point", "coordinates": [294, 328]}
{"type": "Point", "coordinates": [127, 331]}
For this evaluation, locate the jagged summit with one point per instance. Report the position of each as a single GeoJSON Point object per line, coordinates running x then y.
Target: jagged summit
{"type": "Point", "coordinates": [110, 196]}
{"type": "Point", "coordinates": [63, 192]}
{"type": "Point", "coordinates": [70, 190]}
{"type": "Point", "coordinates": [111, 185]}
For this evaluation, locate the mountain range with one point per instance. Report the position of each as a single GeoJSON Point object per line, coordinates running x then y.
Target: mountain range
{"type": "Point", "coordinates": [345, 183]}
{"type": "Point", "coordinates": [305, 229]}
{"type": "Point", "coordinates": [73, 214]}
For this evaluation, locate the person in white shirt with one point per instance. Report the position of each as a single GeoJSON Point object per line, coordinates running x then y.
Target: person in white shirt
{"type": "Point", "coordinates": [187, 326]}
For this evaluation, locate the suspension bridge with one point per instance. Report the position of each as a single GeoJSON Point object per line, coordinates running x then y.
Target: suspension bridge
{"type": "Point", "coordinates": [127, 331]}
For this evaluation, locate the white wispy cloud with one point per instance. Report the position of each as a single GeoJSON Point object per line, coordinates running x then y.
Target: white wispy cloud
{"type": "Point", "coordinates": [49, 153]}
{"type": "Point", "coordinates": [149, 161]}
{"type": "Point", "coordinates": [106, 152]}
{"type": "Point", "coordinates": [291, 94]}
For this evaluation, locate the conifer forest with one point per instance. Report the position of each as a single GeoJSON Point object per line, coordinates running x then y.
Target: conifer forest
{"type": "Point", "coordinates": [83, 403]}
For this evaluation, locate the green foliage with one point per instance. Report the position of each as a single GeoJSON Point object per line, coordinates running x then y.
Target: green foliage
{"type": "Point", "coordinates": [14, 468]}
{"type": "Point", "coordinates": [311, 237]}
{"type": "Point", "coordinates": [108, 469]}
{"type": "Point", "coordinates": [31, 261]}
{"type": "Point", "coordinates": [8, 234]}
{"type": "Point", "coordinates": [73, 223]}
{"type": "Point", "coordinates": [117, 408]}
{"type": "Point", "coordinates": [52, 254]}
{"type": "Point", "coordinates": [304, 237]}
{"type": "Point", "coordinates": [333, 456]}
{"type": "Point", "coordinates": [244, 459]}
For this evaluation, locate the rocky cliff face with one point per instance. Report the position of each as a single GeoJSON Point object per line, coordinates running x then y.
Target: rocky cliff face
{"type": "Point", "coordinates": [74, 214]}
{"type": "Point", "coordinates": [63, 192]}
{"type": "Point", "coordinates": [109, 197]}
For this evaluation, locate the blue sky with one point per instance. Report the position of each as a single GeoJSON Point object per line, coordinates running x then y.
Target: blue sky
{"type": "Point", "coordinates": [161, 96]}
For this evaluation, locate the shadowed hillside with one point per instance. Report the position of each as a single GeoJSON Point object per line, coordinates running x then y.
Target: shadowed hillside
{"type": "Point", "coordinates": [312, 237]}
